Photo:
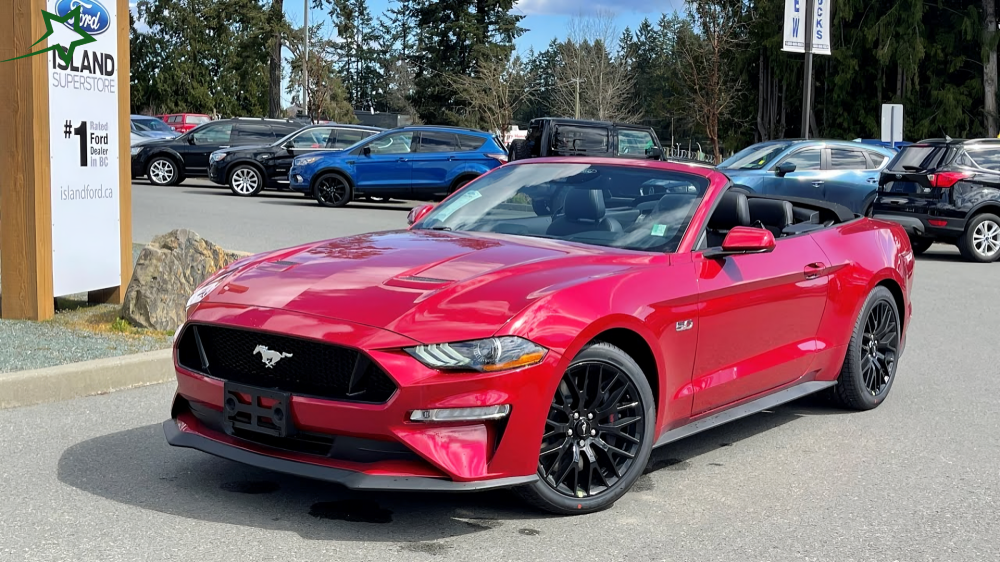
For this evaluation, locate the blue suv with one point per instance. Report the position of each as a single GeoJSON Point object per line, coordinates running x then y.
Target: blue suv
{"type": "Point", "coordinates": [416, 162]}
{"type": "Point", "coordinates": [842, 172]}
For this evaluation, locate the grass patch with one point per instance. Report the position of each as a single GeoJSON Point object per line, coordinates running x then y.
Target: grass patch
{"type": "Point", "coordinates": [100, 319]}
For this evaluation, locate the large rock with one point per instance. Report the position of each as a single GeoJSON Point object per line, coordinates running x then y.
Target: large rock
{"type": "Point", "coordinates": [167, 272]}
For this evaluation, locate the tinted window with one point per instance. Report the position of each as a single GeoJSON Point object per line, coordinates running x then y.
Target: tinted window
{"type": "Point", "coordinates": [213, 134]}
{"type": "Point", "coordinates": [439, 142]}
{"type": "Point", "coordinates": [581, 139]}
{"type": "Point", "coordinates": [920, 158]}
{"type": "Point", "coordinates": [808, 159]}
{"type": "Point", "coordinates": [470, 142]}
{"type": "Point", "coordinates": [198, 119]}
{"type": "Point", "coordinates": [396, 143]}
{"type": "Point", "coordinates": [174, 119]}
{"type": "Point", "coordinates": [878, 160]}
{"type": "Point", "coordinates": [755, 157]}
{"type": "Point", "coordinates": [842, 159]}
{"type": "Point", "coordinates": [348, 137]}
{"type": "Point", "coordinates": [246, 132]}
{"type": "Point", "coordinates": [634, 143]}
{"type": "Point", "coordinates": [313, 138]}
{"type": "Point", "coordinates": [986, 158]}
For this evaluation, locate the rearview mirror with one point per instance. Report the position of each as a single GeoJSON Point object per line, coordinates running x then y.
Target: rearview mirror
{"type": "Point", "coordinates": [785, 168]}
{"type": "Point", "coordinates": [418, 213]}
{"type": "Point", "coordinates": [744, 240]}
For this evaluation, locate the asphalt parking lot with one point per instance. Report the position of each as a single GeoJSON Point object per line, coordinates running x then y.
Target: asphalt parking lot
{"type": "Point", "coordinates": [918, 479]}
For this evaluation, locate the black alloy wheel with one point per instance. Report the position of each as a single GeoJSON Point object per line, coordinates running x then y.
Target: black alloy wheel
{"type": "Point", "coordinates": [598, 434]}
{"type": "Point", "coordinates": [332, 190]}
{"type": "Point", "coordinates": [873, 354]}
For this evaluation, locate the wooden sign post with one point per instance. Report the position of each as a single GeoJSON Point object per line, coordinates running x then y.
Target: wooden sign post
{"type": "Point", "coordinates": [54, 207]}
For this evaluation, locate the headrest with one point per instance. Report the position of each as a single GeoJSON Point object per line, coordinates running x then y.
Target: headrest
{"type": "Point", "coordinates": [674, 201]}
{"type": "Point", "coordinates": [772, 212]}
{"type": "Point", "coordinates": [733, 210]}
{"type": "Point", "coordinates": [585, 205]}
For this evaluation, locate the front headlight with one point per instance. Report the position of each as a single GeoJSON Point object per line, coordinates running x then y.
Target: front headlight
{"type": "Point", "coordinates": [217, 157]}
{"type": "Point", "coordinates": [486, 356]}
{"type": "Point", "coordinates": [136, 150]}
{"type": "Point", "coordinates": [305, 160]}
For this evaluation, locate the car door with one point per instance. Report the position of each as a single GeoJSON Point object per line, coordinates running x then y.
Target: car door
{"type": "Point", "coordinates": [310, 140]}
{"type": "Point", "coordinates": [385, 167]}
{"type": "Point", "coordinates": [759, 320]}
{"type": "Point", "coordinates": [201, 143]}
{"type": "Point", "coordinates": [852, 181]}
{"type": "Point", "coordinates": [806, 181]}
{"type": "Point", "coordinates": [436, 156]}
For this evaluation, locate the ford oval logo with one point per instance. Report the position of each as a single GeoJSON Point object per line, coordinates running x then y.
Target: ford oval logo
{"type": "Point", "coordinates": [94, 17]}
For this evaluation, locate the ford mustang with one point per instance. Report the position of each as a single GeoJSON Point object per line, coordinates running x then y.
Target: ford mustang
{"type": "Point", "coordinates": [491, 344]}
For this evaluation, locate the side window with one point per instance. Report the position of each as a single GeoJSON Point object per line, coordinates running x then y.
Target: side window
{"type": "Point", "coordinates": [347, 137]}
{"type": "Point", "coordinates": [634, 143]}
{"type": "Point", "coordinates": [470, 142]}
{"type": "Point", "coordinates": [398, 143]}
{"type": "Point", "coordinates": [247, 133]}
{"type": "Point", "coordinates": [174, 119]}
{"type": "Point", "coordinates": [581, 139]}
{"type": "Point", "coordinates": [438, 142]}
{"type": "Point", "coordinates": [987, 158]}
{"type": "Point", "coordinates": [313, 138]}
{"type": "Point", "coordinates": [843, 159]}
{"type": "Point", "coordinates": [213, 134]}
{"type": "Point", "coordinates": [808, 159]}
{"type": "Point", "coordinates": [878, 160]}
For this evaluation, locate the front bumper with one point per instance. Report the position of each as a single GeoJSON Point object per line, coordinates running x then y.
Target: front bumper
{"type": "Point", "coordinates": [394, 452]}
{"type": "Point", "coordinates": [138, 165]}
{"type": "Point", "coordinates": [217, 173]}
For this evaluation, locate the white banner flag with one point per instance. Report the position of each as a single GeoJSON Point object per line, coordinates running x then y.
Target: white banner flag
{"type": "Point", "coordinates": [796, 27]}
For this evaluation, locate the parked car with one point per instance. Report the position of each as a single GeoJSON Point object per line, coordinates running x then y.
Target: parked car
{"type": "Point", "coordinates": [249, 169]}
{"type": "Point", "coordinates": [489, 347]}
{"type": "Point", "coordinates": [413, 162]}
{"type": "Point", "coordinates": [184, 122]}
{"type": "Point", "coordinates": [946, 190]}
{"type": "Point", "coordinates": [171, 161]}
{"type": "Point", "coordinates": [841, 172]}
{"type": "Point", "coordinates": [152, 127]}
{"type": "Point", "coordinates": [549, 136]}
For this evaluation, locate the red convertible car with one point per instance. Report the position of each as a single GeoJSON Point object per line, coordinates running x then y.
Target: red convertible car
{"type": "Point", "coordinates": [543, 328]}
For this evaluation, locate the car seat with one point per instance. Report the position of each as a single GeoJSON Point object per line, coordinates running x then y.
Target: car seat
{"type": "Point", "coordinates": [733, 210]}
{"type": "Point", "coordinates": [772, 214]}
{"type": "Point", "coordinates": [584, 211]}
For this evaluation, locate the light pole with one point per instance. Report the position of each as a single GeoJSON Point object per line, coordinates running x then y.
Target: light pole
{"type": "Point", "coordinates": [305, 60]}
{"type": "Point", "coordinates": [807, 80]}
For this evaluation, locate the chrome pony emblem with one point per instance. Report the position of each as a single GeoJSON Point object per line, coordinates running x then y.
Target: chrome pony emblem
{"type": "Point", "coordinates": [269, 357]}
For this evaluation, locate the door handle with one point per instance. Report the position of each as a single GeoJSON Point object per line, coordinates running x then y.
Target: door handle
{"type": "Point", "coordinates": [402, 160]}
{"type": "Point", "coordinates": [814, 270]}
{"type": "Point", "coordinates": [818, 183]}
{"type": "Point", "coordinates": [873, 180]}
{"type": "Point", "coordinates": [452, 158]}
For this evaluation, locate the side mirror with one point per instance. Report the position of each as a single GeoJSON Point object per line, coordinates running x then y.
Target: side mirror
{"type": "Point", "coordinates": [785, 168]}
{"type": "Point", "coordinates": [744, 240]}
{"type": "Point", "coordinates": [367, 151]}
{"type": "Point", "coordinates": [654, 153]}
{"type": "Point", "coordinates": [418, 213]}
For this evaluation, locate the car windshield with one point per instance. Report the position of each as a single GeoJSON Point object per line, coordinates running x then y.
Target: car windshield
{"type": "Point", "coordinates": [634, 208]}
{"type": "Point", "coordinates": [754, 157]}
{"type": "Point", "coordinates": [152, 125]}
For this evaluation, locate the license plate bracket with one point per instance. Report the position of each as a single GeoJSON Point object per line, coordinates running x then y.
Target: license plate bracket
{"type": "Point", "coordinates": [258, 410]}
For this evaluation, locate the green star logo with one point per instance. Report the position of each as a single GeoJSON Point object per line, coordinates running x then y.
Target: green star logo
{"type": "Point", "coordinates": [64, 52]}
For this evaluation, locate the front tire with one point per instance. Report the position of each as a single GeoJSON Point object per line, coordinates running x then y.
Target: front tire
{"type": "Point", "coordinates": [598, 434]}
{"type": "Point", "coordinates": [163, 171]}
{"type": "Point", "coordinates": [981, 240]}
{"type": "Point", "coordinates": [246, 181]}
{"type": "Point", "coordinates": [332, 190]}
{"type": "Point", "coordinates": [872, 356]}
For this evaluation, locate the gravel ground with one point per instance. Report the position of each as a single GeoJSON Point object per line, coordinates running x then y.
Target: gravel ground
{"type": "Point", "coordinates": [70, 337]}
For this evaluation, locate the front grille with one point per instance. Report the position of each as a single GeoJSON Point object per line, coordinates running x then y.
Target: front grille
{"type": "Point", "coordinates": [301, 367]}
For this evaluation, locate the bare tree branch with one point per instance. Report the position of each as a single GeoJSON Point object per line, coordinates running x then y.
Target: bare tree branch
{"type": "Point", "coordinates": [496, 90]}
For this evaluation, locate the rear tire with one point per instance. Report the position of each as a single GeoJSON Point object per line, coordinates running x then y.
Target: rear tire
{"type": "Point", "coordinates": [598, 434]}
{"type": "Point", "coordinates": [519, 150]}
{"type": "Point", "coordinates": [981, 241]}
{"type": "Point", "coordinates": [872, 356]}
{"type": "Point", "coordinates": [460, 183]}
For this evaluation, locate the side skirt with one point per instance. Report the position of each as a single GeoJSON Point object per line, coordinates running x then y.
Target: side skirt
{"type": "Point", "coordinates": [744, 410]}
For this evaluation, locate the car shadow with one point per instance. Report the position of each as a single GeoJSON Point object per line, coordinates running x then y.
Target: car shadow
{"type": "Point", "coordinates": [137, 467]}
{"type": "Point", "coordinates": [309, 202]}
{"type": "Point", "coordinates": [944, 254]}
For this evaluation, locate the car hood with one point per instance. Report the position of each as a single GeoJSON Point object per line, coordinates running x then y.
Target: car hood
{"type": "Point", "coordinates": [431, 286]}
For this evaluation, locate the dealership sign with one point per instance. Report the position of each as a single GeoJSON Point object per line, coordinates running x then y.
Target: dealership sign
{"type": "Point", "coordinates": [84, 151]}
{"type": "Point", "coordinates": [796, 27]}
